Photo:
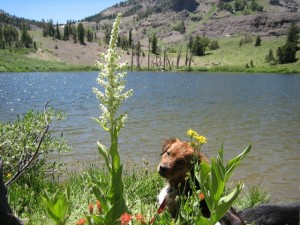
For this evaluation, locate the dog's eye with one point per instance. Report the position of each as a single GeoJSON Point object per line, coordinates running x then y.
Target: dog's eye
{"type": "Point", "coordinates": [168, 153]}
{"type": "Point", "coordinates": [180, 162]}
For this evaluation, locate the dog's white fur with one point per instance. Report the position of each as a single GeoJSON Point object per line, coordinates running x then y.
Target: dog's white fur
{"type": "Point", "coordinates": [162, 194]}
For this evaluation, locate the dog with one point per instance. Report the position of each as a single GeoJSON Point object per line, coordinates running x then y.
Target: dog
{"type": "Point", "coordinates": [177, 160]}
{"type": "Point", "coordinates": [267, 214]}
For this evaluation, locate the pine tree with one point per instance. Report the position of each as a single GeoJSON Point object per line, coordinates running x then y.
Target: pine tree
{"type": "Point", "coordinates": [130, 38]}
{"type": "Point", "coordinates": [154, 49]}
{"type": "Point", "coordinates": [287, 52]}
{"type": "Point", "coordinates": [199, 45]}
{"type": "Point", "coordinates": [51, 30]}
{"type": "Point", "coordinates": [293, 34]}
{"type": "Point", "coordinates": [258, 41]}
{"type": "Point", "coordinates": [80, 33]}
{"type": "Point", "coordinates": [66, 32]}
{"type": "Point", "coordinates": [10, 36]}
{"type": "Point", "coordinates": [270, 57]}
{"type": "Point", "coordinates": [107, 34]}
{"type": "Point", "coordinates": [73, 31]}
{"type": "Point", "coordinates": [90, 35]}
{"type": "Point", "coordinates": [26, 39]}
{"type": "Point", "coordinates": [1, 38]}
{"type": "Point", "coordinates": [57, 32]}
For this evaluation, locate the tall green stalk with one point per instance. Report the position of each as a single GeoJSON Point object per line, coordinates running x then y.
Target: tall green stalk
{"type": "Point", "coordinates": [111, 97]}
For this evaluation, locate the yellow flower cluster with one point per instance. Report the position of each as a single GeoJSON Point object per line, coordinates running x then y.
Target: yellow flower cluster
{"type": "Point", "coordinates": [194, 135]}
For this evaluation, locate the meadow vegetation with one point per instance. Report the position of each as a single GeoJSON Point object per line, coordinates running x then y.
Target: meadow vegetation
{"type": "Point", "coordinates": [17, 60]}
{"type": "Point", "coordinates": [229, 57]}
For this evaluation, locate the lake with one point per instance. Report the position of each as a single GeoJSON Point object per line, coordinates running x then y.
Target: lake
{"type": "Point", "coordinates": [236, 109]}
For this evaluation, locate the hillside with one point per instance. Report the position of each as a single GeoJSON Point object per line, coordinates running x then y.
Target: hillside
{"type": "Point", "coordinates": [165, 19]}
{"type": "Point", "coordinates": [161, 17]}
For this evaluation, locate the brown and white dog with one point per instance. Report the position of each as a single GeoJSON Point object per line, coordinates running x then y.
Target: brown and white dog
{"type": "Point", "coordinates": [177, 161]}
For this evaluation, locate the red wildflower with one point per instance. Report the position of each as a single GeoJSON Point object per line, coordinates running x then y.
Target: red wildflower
{"type": "Point", "coordinates": [139, 217]}
{"type": "Point", "coordinates": [99, 207]}
{"type": "Point", "coordinates": [91, 208]}
{"type": "Point", "coordinates": [81, 221]}
{"type": "Point", "coordinates": [201, 196]}
{"type": "Point", "coordinates": [125, 219]}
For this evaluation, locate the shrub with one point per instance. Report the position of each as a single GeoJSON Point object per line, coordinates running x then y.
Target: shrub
{"type": "Point", "coordinates": [246, 39]}
{"type": "Point", "coordinates": [24, 146]}
{"type": "Point", "coordinates": [180, 27]}
{"type": "Point", "coordinates": [257, 41]}
{"type": "Point", "coordinates": [214, 45]}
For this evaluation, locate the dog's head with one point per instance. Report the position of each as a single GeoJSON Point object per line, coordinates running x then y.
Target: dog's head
{"type": "Point", "coordinates": [177, 159]}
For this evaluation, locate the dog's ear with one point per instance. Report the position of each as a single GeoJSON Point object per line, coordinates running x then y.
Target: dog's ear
{"type": "Point", "coordinates": [167, 144]}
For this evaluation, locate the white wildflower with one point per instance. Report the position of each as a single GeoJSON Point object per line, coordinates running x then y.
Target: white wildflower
{"type": "Point", "coordinates": [111, 80]}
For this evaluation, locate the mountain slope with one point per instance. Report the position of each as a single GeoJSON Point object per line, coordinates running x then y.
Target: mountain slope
{"type": "Point", "coordinates": [165, 19]}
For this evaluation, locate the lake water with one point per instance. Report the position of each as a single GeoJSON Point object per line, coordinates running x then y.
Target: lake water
{"type": "Point", "coordinates": [235, 109]}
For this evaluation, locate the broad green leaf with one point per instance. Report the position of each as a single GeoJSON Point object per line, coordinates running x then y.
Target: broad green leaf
{"type": "Point", "coordinates": [58, 206]}
{"type": "Point", "coordinates": [103, 151]}
{"type": "Point", "coordinates": [221, 153]}
{"type": "Point", "coordinates": [204, 172]}
{"type": "Point", "coordinates": [218, 183]}
{"type": "Point", "coordinates": [117, 186]}
{"type": "Point", "coordinates": [97, 219]}
{"type": "Point", "coordinates": [214, 182]}
{"type": "Point", "coordinates": [115, 212]}
{"type": "Point", "coordinates": [101, 198]}
{"type": "Point", "coordinates": [205, 183]}
{"type": "Point", "coordinates": [225, 203]}
{"type": "Point", "coordinates": [233, 163]}
{"type": "Point", "coordinates": [220, 159]}
{"type": "Point", "coordinates": [203, 221]}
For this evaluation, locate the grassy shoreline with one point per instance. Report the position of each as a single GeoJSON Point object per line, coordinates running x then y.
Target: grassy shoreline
{"type": "Point", "coordinates": [142, 185]}
{"type": "Point", "coordinates": [12, 62]}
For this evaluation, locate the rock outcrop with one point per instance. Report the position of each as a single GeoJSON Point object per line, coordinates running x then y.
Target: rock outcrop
{"type": "Point", "coordinates": [264, 24]}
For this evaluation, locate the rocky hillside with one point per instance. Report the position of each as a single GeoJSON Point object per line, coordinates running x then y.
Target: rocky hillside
{"type": "Point", "coordinates": [264, 24]}
{"type": "Point", "coordinates": [165, 18]}
{"type": "Point", "coordinates": [201, 17]}
{"type": "Point", "coordinates": [173, 22]}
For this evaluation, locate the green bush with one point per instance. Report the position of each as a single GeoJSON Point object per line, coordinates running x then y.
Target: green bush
{"type": "Point", "coordinates": [24, 146]}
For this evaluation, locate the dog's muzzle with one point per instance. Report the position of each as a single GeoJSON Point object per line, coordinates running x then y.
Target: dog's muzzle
{"type": "Point", "coordinates": [162, 170]}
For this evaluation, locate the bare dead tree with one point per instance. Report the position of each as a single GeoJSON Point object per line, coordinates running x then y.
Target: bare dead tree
{"type": "Point", "coordinates": [149, 43]}
{"type": "Point", "coordinates": [178, 57]}
{"type": "Point", "coordinates": [187, 55]}
{"type": "Point", "coordinates": [132, 48]}
{"type": "Point", "coordinates": [190, 59]}
{"type": "Point", "coordinates": [138, 54]}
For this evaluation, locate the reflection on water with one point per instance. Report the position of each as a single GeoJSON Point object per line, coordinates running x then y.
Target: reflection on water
{"type": "Point", "coordinates": [236, 109]}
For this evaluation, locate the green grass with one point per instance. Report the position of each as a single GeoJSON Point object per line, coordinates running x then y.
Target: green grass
{"type": "Point", "coordinates": [18, 61]}
{"type": "Point", "coordinates": [141, 187]}
{"type": "Point", "coordinates": [231, 57]}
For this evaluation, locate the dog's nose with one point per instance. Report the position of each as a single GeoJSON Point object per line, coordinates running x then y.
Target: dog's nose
{"type": "Point", "coordinates": [162, 169]}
